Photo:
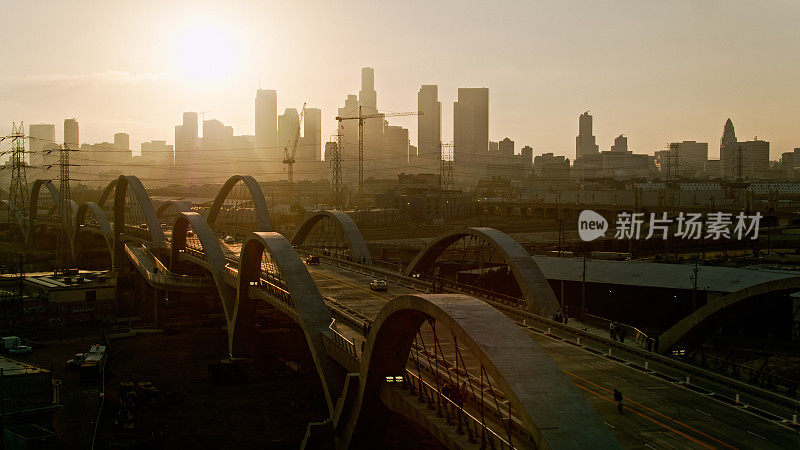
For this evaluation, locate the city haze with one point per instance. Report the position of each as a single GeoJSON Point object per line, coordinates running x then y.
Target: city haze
{"type": "Point", "coordinates": [656, 72]}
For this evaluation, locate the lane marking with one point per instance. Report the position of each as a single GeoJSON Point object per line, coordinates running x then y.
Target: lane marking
{"type": "Point", "coordinates": [611, 400]}
{"type": "Point", "coordinates": [345, 283]}
{"type": "Point", "coordinates": [655, 412]}
{"type": "Point", "coordinates": [757, 435]}
{"type": "Point", "coordinates": [703, 412]}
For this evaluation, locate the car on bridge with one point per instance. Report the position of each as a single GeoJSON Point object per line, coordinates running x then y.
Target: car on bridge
{"type": "Point", "coordinates": [229, 240]}
{"type": "Point", "coordinates": [378, 285]}
{"type": "Point", "coordinates": [312, 260]}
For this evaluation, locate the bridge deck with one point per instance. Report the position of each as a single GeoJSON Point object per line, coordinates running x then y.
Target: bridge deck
{"type": "Point", "coordinates": [660, 413]}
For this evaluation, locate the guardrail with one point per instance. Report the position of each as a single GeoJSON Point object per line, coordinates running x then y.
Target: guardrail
{"type": "Point", "coordinates": [630, 332]}
{"type": "Point", "coordinates": [166, 279]}
{"type": "Point", "coordinates": [476, 430]}
{"type": "Point", "coordinates": [342, 341]}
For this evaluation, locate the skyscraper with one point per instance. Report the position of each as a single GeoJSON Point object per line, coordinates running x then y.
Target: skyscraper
{"type": "Point", "coordinates": [71, 134]}
{"type": "Point", "coordinates": [728, 149]}
{"type": "Point", "coordinates": [312, 136]}
{"type": "Point", "coordinates": [288, 128]}
{"type": "Point", "coordinates": [367, 95]}
{"type": "Point", "coordinates": [429, 123]}
{"type": "Point", "coordinates": [471, 122]}
{"type": "Point", "coordinates": [620, 144]}
{"type": "Point", "coordinates": [42, 137]}
{"type": "Point", "coordinates": [266, 125]}
{"type": "Point", "coordinates": [585, 142]}
{"type": "Point", "coordinates": [186, 141]}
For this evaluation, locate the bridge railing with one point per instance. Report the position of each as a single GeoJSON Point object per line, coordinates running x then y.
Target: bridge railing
{"type": "Point", "coordinates": [275, 291]}
{"type": "Point", "coordinates": [630, 331]}
{"type": "Point", "coordinates": [476, 429]}
{"type": "Point", "coordinates": [342, 341]}
{"type": "Point", "coordinates": [166, 278]}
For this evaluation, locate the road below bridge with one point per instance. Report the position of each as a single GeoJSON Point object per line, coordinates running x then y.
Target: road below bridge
{"type": "Point", "coordinates": [659, 412]}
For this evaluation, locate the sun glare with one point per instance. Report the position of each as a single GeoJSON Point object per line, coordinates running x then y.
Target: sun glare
{"type": "Point", "coordinates": [205, 52]}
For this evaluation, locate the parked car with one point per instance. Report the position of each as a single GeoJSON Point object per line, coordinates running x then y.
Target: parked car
{"type": "Point", "coordinates": [378, 285]}
{"type": "Point", "coordinates": [312, 260]}
{"type": "Point", "coordinates": [229, 240]}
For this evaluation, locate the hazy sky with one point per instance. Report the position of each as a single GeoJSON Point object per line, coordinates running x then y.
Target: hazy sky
{"type": "Point", "coordinates": [656, 71]}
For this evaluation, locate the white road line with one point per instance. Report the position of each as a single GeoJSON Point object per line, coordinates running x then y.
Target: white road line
{"type": "Point", "coordinates": [757, 435]}
{"type": "Point", "coordinates": [612, 426]}
{"type": "Point", "coordinates": [703, 412]}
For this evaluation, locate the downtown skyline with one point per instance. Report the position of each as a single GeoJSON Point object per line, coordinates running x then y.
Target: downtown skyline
{"type": "Point", "coordinates": [532, 100]}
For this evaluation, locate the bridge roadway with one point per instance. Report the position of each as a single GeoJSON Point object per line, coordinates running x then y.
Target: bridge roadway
{"type": "Point", "coordinates": [660, 413]}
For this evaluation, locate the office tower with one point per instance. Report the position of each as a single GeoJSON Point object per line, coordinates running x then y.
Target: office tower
{"type": "Point", "coordinates": [585, 142]}
{"type": "Point", "coordinates": [755, 159]}
{"type": "Point", "coordinates": [527, 155]}
{"type": "Point", "coordinates": [506, 147]}
{"type": "Point", "coordinates": [122, 143]}
{"type": "Point", "coordinates": [288, 128]}
{"type": "Point", "coordinates": [494, 146]}
{"type": "Point", "coordinates": [471, 122]}
{"type": "Point", "coordinates": [728, 150]}
{"type": "Point", "coordinates": [42, 138]}
{"type": "Point", "coordinates": [367, 95]}
{"type": "Point", "coordinates": [312, 136]}
{"type": "Point", "coordinates": [186, 140]}
{"type": "Point", "coordinates": [71, 134]}
{"type": "Point", "coordinates": [620, 144]}
{"type": "Point", "coordinates": [687, 158]}
{"type": "Point", "coordinates": [429, 123]}
{"type": "Point", "coordinates": [266, 125]}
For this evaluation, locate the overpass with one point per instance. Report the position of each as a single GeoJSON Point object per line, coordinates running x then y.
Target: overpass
{"type": "Point", "coordinates": [518, 374]}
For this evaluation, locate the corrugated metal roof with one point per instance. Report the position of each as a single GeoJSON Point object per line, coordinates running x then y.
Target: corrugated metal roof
{"type": "Point", "coordinates": [658, 275]}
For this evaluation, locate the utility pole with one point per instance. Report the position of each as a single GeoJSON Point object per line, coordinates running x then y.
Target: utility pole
{"type": "Point", "coordinates": [361, 117]}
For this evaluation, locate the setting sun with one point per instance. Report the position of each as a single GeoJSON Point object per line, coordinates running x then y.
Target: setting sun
{"type": "Point", "coordinates": [205, 52]}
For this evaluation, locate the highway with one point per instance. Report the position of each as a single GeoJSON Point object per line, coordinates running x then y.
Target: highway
{"type": "Point", "coordinates": [659, 413]}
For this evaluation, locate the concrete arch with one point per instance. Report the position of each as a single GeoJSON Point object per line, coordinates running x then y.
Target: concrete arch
{"type": "Point", "coordinates": [311, 313]}
{"type": "Point", "coordinates": [535, 288]}
{"type": "Point", "coordinates": [180, 206]}
{"type": "Point", "coordinates": [102, 221]}
{"type": "Point", "coordinates": [121, 187]}
{"type": "Point", "coordinates": [358, 247]}
{"type": "Point", "coordinates": [259, 203]}
{"type": "Point", "coordinates": [699, 324]}
{"type": "Point", "coordinates": [214, 259]}
{"type": "Point", "coordinates": [33, 211]}
{"type": "Point", "coordinates": [549, 405]}
{"type": "Point", "coordinates": [107, 191]}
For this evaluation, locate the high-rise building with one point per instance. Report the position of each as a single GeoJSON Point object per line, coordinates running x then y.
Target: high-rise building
{"type": "Point", "coordinates": [728, 149]}
{"type": "Point", "coordinates": [506, 147]}
{"type": "Point", "coordinates": [266, 125]}
{"type": "Point", "coordinates": [71, 134]}
{"type": "Point", "coordinates": [620, 144]}
{"type": "Point", "coordinates": [585, 142]}
{"type": "Point", "coordinates": [309, 150]}
{"type": "Point", "coordinates": [42, 138]}
{"type": "Point", "coordinates": [288, 128]}
{"type": "Point", "coordinates": [122, 142]}
{"type": "Point", "coordinates": [754, 159]}
{"type": "Point", "coordinates": [527, 155]}
{"type": "Point", "coordinates": [685, 159]}
{"type": "Point", "coordinates": [471, 122]}
{"type": "Point", "coordinates": [367, 95]}
{"type": "Point", "coordinates": [429, 123]}
{"type": "Point", "coordinates": [186, 143]}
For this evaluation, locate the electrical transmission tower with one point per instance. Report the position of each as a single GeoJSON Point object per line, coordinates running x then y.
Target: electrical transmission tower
{"type": "Point", "coordinates": [65, 237]}
{"type": "Point", "coordinates": [18, 193]}
{"type": "Point", "coordinates": [336, 169]}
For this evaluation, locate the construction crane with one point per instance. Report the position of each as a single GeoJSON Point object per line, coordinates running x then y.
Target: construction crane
{"type": "Point", "coordinates": [361, 117]}
{"type": "Point", "coordinates": [288, 157]}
